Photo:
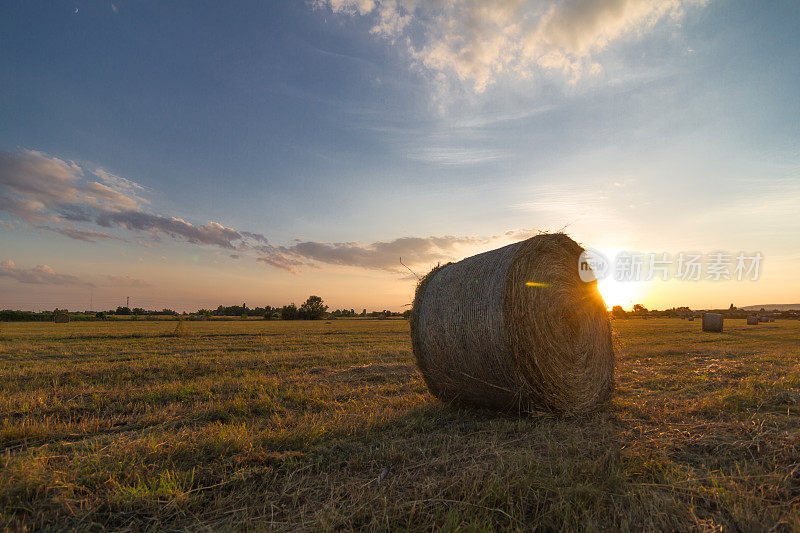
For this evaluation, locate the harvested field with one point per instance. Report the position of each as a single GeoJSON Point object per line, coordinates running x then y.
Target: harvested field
{"type": "Point", "coordinates": [306, 425]}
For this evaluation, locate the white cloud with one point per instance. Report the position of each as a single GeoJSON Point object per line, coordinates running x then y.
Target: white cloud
{"type": "Point", "coordinates": [53, 194]}
{"type": "Point", "coordinates": [36, 188]}
{"type": "Point", "coordinates": [39, 275]}
{"type": "Point", "coordinates": [480, 41]}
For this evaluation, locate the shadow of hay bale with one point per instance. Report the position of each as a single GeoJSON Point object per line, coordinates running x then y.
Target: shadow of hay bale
{"type": "Point", "coordinates": [373, 372]}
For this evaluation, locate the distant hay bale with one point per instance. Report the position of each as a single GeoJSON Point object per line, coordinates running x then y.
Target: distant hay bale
{"type": "Point", "coordinates": [712, 322]}
{"type": "Point", "coordinates": [515, 329]}
{"type": "Point", "coordinates": [690, 319]}
{"type": "Point", "coordinates": [61, 318]}
{"type": "Point", "coordinates": [752, 321]}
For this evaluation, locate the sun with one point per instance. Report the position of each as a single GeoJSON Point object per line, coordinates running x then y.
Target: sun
{"type": "Point", "coordinates": [624, 293]}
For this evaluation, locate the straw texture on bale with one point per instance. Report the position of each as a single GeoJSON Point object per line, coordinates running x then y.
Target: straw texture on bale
{"type": "Point", "coordinates": [712, 322]}
{"type": "Point", "coordinates": [752, 321]}
{"type": "Point", "coordinates": [515, 329]}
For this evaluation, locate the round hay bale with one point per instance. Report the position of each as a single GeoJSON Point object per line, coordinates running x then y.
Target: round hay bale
{"type": "Point", "coordinates": [752, 321]}
{"type": "Point", "coordinates": [712, 322]}
{"type": "Point", "coordinates": [515, 329]}
{"type": "Point", "coordinates": [61, 318]}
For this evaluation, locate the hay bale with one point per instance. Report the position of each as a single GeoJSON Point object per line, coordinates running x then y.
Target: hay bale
{"type": "Point", "coordinates": [752, 321]}
{"type": "Point", "coordinates": [61, 318]}
{"type": "Point", "coordinates": [712, 322]}
{"type": "Point", "coordinates": [515, 329]}
{"type": "Point", "coordinates": [690, 319]}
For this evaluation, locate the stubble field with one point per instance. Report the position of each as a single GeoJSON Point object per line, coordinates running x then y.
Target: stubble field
{"type": "Point", "coordinates": [314, 425]}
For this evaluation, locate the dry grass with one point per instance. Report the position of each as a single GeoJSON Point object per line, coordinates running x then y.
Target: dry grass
{"type": "Point", "coordinates": [328, 426]}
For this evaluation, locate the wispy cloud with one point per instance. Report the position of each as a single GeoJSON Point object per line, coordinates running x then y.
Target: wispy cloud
{"type": "Point", "coordinates": [39, 275]}
{"type": "Point", "coordinates": [381, 255]}
{"type": "Point", "coordinates": [54, 194]}
{"type": "Point", "coordinates": [35, 188]}
{"type": "Point", "coordinates": [82, 234]}
{"type": "Point", "coordinates": [456, 156]}
{"type": "Point", "coordinates": [125, 281]}
{"type": "Point", "coordinates": [213, 233]}
{"type": "Point", "coordinates": [45, 275]}
{"type": "Point", "coordinates": [478, 42]}
{"type": "Point", "coordinates": [282, 260]}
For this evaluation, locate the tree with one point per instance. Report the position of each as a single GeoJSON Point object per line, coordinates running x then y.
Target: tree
{"type": "Point", "coordinates": [639, 309]}
{"type": "Point", "coordinates": [313, 308]}
{"type": "Point", "coordinates": [123, 311]}
{"type": "Point", "coordinates": [617, 311]}
{"type": "Point", "coordinates": [289, 312]}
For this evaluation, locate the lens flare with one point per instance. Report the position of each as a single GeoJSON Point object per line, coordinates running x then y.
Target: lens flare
{"type": "Point", "coordinates": [624, 293]}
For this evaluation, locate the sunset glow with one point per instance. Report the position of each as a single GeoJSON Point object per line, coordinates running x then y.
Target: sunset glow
{"type": "Point", "coordinates": [187, 156]}
{"type": "Point", "coordinates": [624, 293]}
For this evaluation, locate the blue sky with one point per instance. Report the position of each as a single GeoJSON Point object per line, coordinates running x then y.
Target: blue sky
{"type": "Point", "coordinates": [655, 126]}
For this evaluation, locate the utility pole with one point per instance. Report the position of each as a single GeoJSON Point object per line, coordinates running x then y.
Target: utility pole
{"type": "Point", "coordinates": [128, 302]}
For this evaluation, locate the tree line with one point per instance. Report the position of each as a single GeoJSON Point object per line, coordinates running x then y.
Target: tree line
{"type": "Point", "coordinates": [676, 312]}
{"type": "Point", "coordinates": [313, 308]}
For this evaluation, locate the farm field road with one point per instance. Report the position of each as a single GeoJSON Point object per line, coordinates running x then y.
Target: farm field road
{"type": "Point", "coordinates": [315, 425]}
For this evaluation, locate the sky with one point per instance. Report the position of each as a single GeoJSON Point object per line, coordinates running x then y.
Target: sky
{"type": "Point", "coordinates": [190, 154]}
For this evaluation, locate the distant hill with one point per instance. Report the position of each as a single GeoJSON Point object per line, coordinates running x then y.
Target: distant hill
{"type": "Point", "coordinates": [772, 307]}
